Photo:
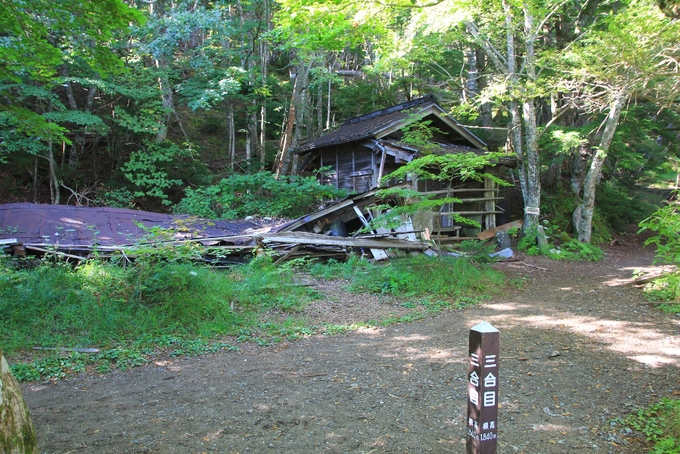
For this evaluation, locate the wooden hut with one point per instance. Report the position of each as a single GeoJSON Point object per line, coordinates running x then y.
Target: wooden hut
{"type": "Point", "coordinates": [365, 148]}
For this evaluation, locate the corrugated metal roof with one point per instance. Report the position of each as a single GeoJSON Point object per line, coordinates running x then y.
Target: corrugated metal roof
{"type": "Point", "coordinates": [372, 124]}
{"type": "Point", "coordinates": [355, 131]}
{"type": "Point", "coordinates": [65, 225]}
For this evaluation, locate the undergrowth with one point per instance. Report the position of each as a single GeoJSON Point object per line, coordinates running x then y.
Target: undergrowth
{"type": "Point", "coordinates": [451, 278]}
{"type": "Point", "coordinates": [665, 224]}
{"type": "Point", "coordinates": [106, 315]}
{"type": "Point", "coordinates": [559, 246]}
{"type": "Point", "coordinates": [660, 424]}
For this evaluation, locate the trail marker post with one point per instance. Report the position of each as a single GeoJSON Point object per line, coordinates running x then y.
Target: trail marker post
{"type": "Point", "coordinates": [482, 422]}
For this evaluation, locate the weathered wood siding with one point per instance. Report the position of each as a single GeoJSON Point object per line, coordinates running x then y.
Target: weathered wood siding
{"type": "Point", "coordinates": [352, 169]}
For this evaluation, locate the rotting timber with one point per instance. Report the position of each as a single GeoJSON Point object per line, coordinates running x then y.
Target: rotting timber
{"type": "Point", "coordinates": [79, 233]}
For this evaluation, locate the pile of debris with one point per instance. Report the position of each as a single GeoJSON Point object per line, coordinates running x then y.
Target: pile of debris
{"type": "Point", "coordinates": [78, 233]}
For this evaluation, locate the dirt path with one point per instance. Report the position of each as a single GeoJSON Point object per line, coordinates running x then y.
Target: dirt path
{"type": "Point", "coordinates": [399, 389]}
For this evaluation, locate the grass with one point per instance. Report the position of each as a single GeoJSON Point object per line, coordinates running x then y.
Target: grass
{"type": "Point", "coordinates": [137, 312]}
{"type": "Point", "coordinates": [660, 424]}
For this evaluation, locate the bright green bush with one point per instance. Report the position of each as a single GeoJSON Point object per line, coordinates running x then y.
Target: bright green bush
{"type": "Point", "coordinates": [666, 223]}
{"type": "Point", "coordinates": [260, 194]}
{"type": "Point", "coordinates": [663, 289]}
{"type": "Point", "coordinates": [660, 423]}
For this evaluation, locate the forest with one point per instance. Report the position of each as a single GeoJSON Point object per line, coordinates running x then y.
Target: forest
{"type": "Point", "coordinates": [136, 103]}
{"type": "Point", "coordinates": [159, 105]}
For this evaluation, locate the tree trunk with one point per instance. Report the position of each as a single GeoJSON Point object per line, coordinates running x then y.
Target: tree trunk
{"type": "Point", "coordinates": [583, 214]}
{"type": "Point", "coordinates": [532, 202]}
{"type": "Point", "coordinates": [485, 110]}
{"type": "Point", "coordinates": [295, 122]}
{"type": "Point", "coordinates": [166, 99]}
{"type": "Point", "coordinates": [231, 135]}
{"type": "Point", "coordinates": [578, 171]}
{"type": "Point", "coordinates": [287, 137]}
{"type": "Point", "coordinates": [471, 90]}
{"type": "Point", "coordinates": [54, 182]}
{"type": "Point", "coordinates": [17, 435]}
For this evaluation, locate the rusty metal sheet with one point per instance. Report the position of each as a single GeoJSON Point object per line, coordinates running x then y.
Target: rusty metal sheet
{"type": "Point", "coordinates": [65, 225]}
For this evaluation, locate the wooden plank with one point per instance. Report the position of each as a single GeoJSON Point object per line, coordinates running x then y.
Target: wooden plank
{"type": "Point", "coordinates": [321, 213]}
{"type": "Point", "coordinates": [323, 240]}
{"type": "Point", "coordinates": [486, 234]}
{"type": "Point", "coordinates": [446, 213]}
{"type": "Point", "coordinates": [455, 191]}
{"type": "Point", "coordinates": [378, 254]}
{"type": "Point", "coordinates": [479, 199]}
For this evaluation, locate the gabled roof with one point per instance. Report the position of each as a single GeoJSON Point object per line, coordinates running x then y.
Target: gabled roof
{"type": "Point", "coordinates": [380, 123]}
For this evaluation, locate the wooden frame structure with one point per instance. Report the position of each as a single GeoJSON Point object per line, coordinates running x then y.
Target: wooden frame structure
{"type": "Point", "coordinates": [357, 155]}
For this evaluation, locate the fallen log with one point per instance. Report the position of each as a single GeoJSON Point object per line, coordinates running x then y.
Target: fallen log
{"type": "Point", "coordinates": [645, 278]}
{"type": "Point", "coordinates": [487, 234]}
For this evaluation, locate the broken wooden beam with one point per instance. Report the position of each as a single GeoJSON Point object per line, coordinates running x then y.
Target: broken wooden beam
{"type": "Point", "coordinates": [486, 234]}
{"type": "Point", "coordinates": [323, 240]}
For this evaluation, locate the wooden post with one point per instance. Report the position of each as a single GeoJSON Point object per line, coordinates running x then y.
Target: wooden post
{"type": "Point", "coordinates": [490, 203]}
{"type": "Point", "coordinates": [482, 422]}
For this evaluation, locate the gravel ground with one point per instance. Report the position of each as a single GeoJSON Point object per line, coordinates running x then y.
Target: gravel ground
{"type": "Point", "coordinates": [578, 350]}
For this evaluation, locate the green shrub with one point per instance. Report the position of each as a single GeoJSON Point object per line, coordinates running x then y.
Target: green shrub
{"type": "Point", "coordinates": [666, 223]}
{"type": "Point", "coordinates": [260, 194]}
{"type": "Point", "coordinates": [666, 288]}
{"type": "Point", "coordinates": [660, 423]}
{"type": "Point", "coordinates": [125, 310]}
{"type": "Point", "coordinates": [620, 206]}
{"type": "Point", "coordinates": [574, 250]}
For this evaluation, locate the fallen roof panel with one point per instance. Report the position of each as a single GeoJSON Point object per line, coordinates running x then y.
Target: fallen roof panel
{"type": "Point", "coordinates": [66, 225]}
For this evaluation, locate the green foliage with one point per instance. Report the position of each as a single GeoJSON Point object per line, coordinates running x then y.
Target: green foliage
{"type": "Point", "coordinates": [618, 206]}
{"type": "Point", "coordinates": [259, 194]}
{"type": "Point", "coordinates": [128, 312]}
{"type": "Point", "coordinates": [559, 246]}
{"type": "Point", "coordinates": [420, 134]}
{"type": "Point", "coordinates": [665, 289]}
{"type": "Point", "coordinates": [334, 269]}
{"type": "Point", "coordinates": [660, 424]}
{"type": "Point", "coordinates": [666, 223]}
{"type": "Point", "coordinates": [575, 250]}
{"type": "Point", "coordinates": [447, 167]}
{"type": "Point", "coordinates": [448, 277]}
{"type": "Point", "coordinates": [148, 170]}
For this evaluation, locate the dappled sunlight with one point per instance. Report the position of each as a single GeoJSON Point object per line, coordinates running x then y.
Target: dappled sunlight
{"type": "Point", "coordinates": [71, 221]}
{"type": "Point", "coordinates": [169, 365]}
{"type": "Point", "coordinates": [434, 354]}
{"type": "Point", "coordinates": [640, 342]}
{"type": "Point", "coordinates": [634, 271]}
{"type": "Point", "coordinates": [416, 347]}
{"type": "Point", "coordinates": [371, 331]}
{"type": "Point", "coordinates": [552, 428]}
{"type": "Point", "coordinates": [508, 307]}
{"type": "Point", "coordinates": [411, 338]}
{"type": "Point", "coordinates": [655, 360]}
